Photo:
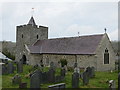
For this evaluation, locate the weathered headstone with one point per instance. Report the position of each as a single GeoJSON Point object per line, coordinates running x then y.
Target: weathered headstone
{"type": "Point", "coordinates": [85, 78]}
{"type": "Point", "coordinates": [51, 75]}
{"type": "Point", "coordinates": [16, 79]}
{"type": "Point", "coordinates": [20, 67]}
{"type": "Point", "coordinates": [35, 81]}
{"type": "Point", "coordinates": [112, 85]}
{"type": "Point", "coordinates": [119, 81]}
{"type": "Point", "coordinates": [4, 69]}
{"type": "Point", "coordinates": [63, 72]}
{"type": "Point", "coordinates": [93, 72]}
{"type": "Point", "coordinates": [88, 70]}
{"type": "Point", "coordinates": [75, 80]}
{"type": "Point", "coordinates": [10, 68]}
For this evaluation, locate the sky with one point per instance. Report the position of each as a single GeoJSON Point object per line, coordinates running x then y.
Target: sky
{"type": "Point", "coordinates": [63, 19]}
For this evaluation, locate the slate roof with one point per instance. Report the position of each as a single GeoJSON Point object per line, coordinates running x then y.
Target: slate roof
{"type": "Point", "coordinates": [32, 21]}
{"type": "Point", "coordinates": [72, 45]}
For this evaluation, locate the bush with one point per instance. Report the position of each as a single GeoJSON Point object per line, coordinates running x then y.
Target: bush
{"type": "Point", "coordinates": [8, 54]}
{"type": "Point", "coordinates": [63, 62]}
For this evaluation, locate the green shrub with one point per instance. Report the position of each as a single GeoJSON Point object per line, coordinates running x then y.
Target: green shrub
{"type": "Point", "coordinates": [63, 62]}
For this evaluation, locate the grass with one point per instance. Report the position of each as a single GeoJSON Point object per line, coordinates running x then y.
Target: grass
{"type": "Point", "coordinates": [99, 81]}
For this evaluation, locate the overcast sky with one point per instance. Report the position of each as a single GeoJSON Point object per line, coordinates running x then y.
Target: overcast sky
{"type": "Point", "coordinates": [64, 19]}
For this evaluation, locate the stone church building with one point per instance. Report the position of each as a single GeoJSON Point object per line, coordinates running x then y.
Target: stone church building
{"type": "Point", "coordinates": [34, 47]}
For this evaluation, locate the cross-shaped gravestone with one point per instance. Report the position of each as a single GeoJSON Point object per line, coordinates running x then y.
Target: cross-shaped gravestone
{"type": "Point", "coordinates": [75, 80]}
{"type": "Point", "coordinates": [35, 81]}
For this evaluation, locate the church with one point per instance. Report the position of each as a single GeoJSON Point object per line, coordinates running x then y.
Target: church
{"type": "Point", "coordinates": [33, 46]}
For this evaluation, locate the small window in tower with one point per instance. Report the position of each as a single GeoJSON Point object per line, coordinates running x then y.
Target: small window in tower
{"type": "Point", "coordinates": [22, 35]}
{"type": "Point", "coordinates": [106, 56]}
{"type": "Point", "coordinates": [37, 36]}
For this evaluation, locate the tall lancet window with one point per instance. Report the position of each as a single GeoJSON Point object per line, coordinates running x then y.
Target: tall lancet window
{"type": "Point", "coordinates": [106, 56]}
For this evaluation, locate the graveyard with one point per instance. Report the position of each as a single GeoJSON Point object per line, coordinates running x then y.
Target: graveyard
{"type": "Point", "coordinates": [27, 75]}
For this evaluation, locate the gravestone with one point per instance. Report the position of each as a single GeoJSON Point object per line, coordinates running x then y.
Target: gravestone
{"type": "Point", "coordinates": [35, 81]}
{"type": "Point", "coordinates": [10, 68]}
{"type": "Point", "coordinates": [63, 72]}
{"type": "Point", "coordinates": [16, 79]}
{"type": "Point", "coordinates": [45, 77]}
{"type": "Point", "coordinates": [51, 75]}
{"type": "Point", "coordinates": [60, 86]}
{"type": "Point", "coordinates": [75, 80]}
{"type": "Point", "coordinates": [4, 69]}
{"type": "Point", "coordinates": [88, 70]}
{"type": "Point", "coordinates": [93, 72]}
{"type": "Point", "coordinates": [85, 78]}
{"type": "Point", "coordinates": [20, 67]}
{"type": "Point", "coordinates": [119, 81]}
{"type": "Point", "coordinates": [112, 85]}
{"type": "Point", "coordinates": [52, 66]}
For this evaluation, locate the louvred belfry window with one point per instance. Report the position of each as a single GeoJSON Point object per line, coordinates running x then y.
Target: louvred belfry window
{"type": "Point", "coordinates": [106, 57]}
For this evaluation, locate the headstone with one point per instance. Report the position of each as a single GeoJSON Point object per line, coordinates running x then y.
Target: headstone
{"type": "Point", "coordinates": [45, 77]}
{"type": "Point", "coordinates": [4, 69]}
{"type": "Point", "coordinates": [35, 81]}
{"type": "Point", "coordinates": [112, 85]}
{"type": "Point", "coordinates": [20, 67]}
{"type": "Point", "coordinates": [119, 81]}
{"type": "Point", "coordinates": [16, 79]}
{"type": "Point", "coordinates": [88, 70]}
{"type": "Point", "coordinates": [93, 72]}
{"type": "Point", "coordinates": [85, 78]}
{"type": "Point", "coordinates": [10, 68]}
{"type": "Point", "coordinates": [75, 80]}
{"type": "Point", "coordinates": [63, 72]}
{"type": "Point", "coordinates": [51, 75]}
{"type": "Point", "coordinates": [23, 85]}
{"type": "Point", "coordinates": [52, 65]}
{"type": "Point", "coordinates": [60, 86]}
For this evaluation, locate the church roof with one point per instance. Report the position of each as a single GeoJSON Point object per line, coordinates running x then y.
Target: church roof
{"type": "Point", "coordinates": [71, 45]}
{"type": "Point", "coordinates": [32, 21]}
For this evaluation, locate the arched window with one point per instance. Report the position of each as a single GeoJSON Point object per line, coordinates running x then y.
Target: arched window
{"type": "Point", "coordinates": [106, 57]}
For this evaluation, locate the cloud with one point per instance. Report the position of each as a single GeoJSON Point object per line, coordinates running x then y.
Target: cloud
{"type": "Point", "coordinates": [63, 19]}
{"type": "Point", "coordinates": [113, 35]}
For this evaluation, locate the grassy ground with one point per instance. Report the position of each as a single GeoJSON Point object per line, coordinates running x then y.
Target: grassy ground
{"type": "Point", "coordinates": [98, 82]}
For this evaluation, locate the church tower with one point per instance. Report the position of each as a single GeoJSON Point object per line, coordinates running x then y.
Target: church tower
{"type": "Point", "coordinates": [28, 35]}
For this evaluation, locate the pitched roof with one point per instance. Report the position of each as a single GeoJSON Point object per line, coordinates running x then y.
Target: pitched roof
{"type": "Point", "coordinates": [32, 21]}
{"type": "Point", "coordinates": [72, 45]}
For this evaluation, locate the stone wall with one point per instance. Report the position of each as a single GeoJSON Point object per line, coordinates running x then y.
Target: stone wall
{"type": "Point", "coordinates": [105, 43]}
